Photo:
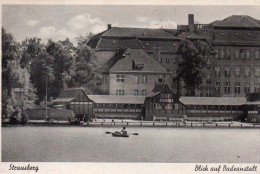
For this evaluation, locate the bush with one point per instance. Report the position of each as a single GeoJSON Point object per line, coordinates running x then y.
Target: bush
{"type": "Point", "coordinates": [73, 119]}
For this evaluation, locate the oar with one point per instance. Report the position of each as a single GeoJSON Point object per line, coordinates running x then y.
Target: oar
{"type": "Point", "coordinates": [120, 132]}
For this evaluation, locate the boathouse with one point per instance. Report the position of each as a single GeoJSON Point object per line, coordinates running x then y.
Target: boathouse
{"type": "Point", "coordinates": [163, 104]}
{"type": "Point", "coordinates": [75, 99]}
{"type": "Point", "coordinates": [118, 107]}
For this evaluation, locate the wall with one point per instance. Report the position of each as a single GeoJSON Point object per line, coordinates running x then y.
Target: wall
{"type": "Point", "coordinates": [129, 85]}
{"type": "Point", "coordinates": [40, 114]}
{"type": "Point", "coordinates": [232, 62]}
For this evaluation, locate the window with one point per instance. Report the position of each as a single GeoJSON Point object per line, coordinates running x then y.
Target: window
{"type": "Point", "coordinates": [242, 54]}
{"type": "Point", "coordinates": [247, 71]}
{"type": "Point", "coordinates": [167, 60]}
{"type": "Point", "coordinates": [257, 71]}
{"type": "Point", "coordinates": [217, 54]}
{"type": "Point", "coordinates": [161, 79]}
{"type": "Point", "coordinates": [144, 92]}
{"type": "Point", "coordinates": [208, 78]}
{"type": "Point", "coordinates": [135, 92]}
{"type": "Point", "coordinates": [208, 93]}
{"type": "Point", "coordinates": [217, 70]}
{"type": "Point", "coordinates": [136, 79]}
{"type": "Point", "coordinates": [199, 92]}
{"type": "Point", "coordinates": [257, 87]}
{"type": "Point", "coordinates": [160, 59]}
{"type": "Point", "coordinates": [247, 87]}
{"type": "Point", "coordinates": [120, 92]}
{"type": "Point", "coordinates": [227, 71]}
{"type": "Point", "coordinates": [217, 87]}
{"type": "Point", "coordinates": [120, 78]}
{"type": "Point", "coordinates": [227, 54]}
{"type": "Point", "coordinates": [257, 54]}
{"type": "Point", "coordinates": [222, 54]}
{"type": "Point", "coordinates": [143, 79]}
{"type": "Point", "coordinates": [236, 54]}
{"type": "Point", "coordinates": [237, 87]}
{"type": "Point", "coordinates": [247, 54]}
{"type": "Point", "coordinates": [237, 70]}
{"type": "Point", "coordinates": [227, 87]}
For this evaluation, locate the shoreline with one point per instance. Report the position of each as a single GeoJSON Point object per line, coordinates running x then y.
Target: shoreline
{"type": "Point", "coordinates": [144, 124]}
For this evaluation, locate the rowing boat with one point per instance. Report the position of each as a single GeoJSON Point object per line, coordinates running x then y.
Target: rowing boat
{"type": "Point", "coordinates": [117, 134]}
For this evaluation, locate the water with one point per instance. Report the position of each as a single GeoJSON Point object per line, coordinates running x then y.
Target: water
{"type": "Point", "coordinates": [169, 145]}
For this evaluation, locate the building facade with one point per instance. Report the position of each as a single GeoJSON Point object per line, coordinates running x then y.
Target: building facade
{"type": "Point", "coordinates": [236, 64]}
{"type": "Point", "coordinates": [233, 67]}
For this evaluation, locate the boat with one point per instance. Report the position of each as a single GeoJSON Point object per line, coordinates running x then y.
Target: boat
{"type": "Point", "coordinates": [118, 134]}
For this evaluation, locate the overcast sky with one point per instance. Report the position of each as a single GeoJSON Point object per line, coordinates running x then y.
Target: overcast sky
{"type": "Point", "coordinates": [59, 21]}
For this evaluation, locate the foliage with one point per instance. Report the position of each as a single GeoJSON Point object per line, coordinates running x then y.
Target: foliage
{"type": "Point", "coordinates": [192, 63]}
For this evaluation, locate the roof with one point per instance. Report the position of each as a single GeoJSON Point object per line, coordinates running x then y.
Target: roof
{"type": "Point", "coordinates": [114, 43]}
{"type": "Point", "coordinates": [138, 32]}
{"type": "Point", "coordinates": [116, 37]}
{"type": "Point", "coordinates": [115, 99]}
{"type": "Point", "coordinates": [165, 45]}
{"type": "Point", "coordinates": [137, 56]}
{"type": "Point", "coordinates": [68, 95]}
{"type": "Point", "coordinates": [237, 21]}
{"type": "Point", "coordinates": [213, 100]}
{"type": "Point", "coordinates": [189, 35]}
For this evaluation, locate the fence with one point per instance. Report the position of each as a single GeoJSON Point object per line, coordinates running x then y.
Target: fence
{"type": "Point", "coordinates": [40, 114]}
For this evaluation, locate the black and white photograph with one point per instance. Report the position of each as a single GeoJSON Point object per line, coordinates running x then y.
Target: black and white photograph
{"type": "Point", "coordinates": [131, 84]}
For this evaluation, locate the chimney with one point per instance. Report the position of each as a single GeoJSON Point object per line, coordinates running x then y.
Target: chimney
{"type": "Point", "coordinates": [109, 26]}
{"type": "Point", "coordinates": [191, 23]}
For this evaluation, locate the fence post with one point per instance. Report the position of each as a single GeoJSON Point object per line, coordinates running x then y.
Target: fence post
{"type": "Point", "coordinates": [127, 123]}
{"type": "Point", "coordinates": [141, 123]}
{"type": "Point", "coordinates": [191, 124]}
{"type": "Point", "coordinates": [229, 125]}
{"type": "Point", "coordinates": [166, 123]}
{"type": "Point", "coordinates": [241, 124]}
{"type": "Point", "coordinates": [203, 124]}
{"type": "Point", "coordinates": [216, 124]}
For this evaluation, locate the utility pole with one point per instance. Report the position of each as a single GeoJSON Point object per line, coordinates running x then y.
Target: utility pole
{"type": "Point", "coordinates": [46, 95]}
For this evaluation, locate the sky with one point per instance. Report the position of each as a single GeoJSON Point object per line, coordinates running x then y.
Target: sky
{"type": "Point", "coordinates": [58, 22]}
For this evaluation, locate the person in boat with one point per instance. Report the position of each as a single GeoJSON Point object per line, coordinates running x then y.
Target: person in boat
{"type": "Point", "coordinates": [123, 131]}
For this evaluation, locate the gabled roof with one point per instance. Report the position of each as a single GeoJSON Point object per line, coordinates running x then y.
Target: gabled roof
{"type": "Point", "coordinates": [67, 95]}
{"type": "Point", "coordinates": [113, 99]}
{"type": "Point", "coordinates": [138, 56]}
{"type": "Point", "coordinates": [237, 21]}
{"type": "Point", "coordinates": [235, 101]}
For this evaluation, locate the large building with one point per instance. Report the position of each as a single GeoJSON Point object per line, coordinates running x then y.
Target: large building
{"type": "Point", "coordinates": [233, 68]}
{"type": "Point", "coordinates": [236, 65]}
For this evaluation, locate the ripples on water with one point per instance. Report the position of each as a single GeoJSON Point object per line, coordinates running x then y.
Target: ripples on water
{"type": "Point", "coordinates": [173, 145]}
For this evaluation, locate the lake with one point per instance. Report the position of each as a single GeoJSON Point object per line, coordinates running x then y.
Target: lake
{"type": "Point", "coordinates": [168, 145]}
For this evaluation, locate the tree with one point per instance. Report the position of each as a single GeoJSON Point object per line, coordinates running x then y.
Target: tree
{"type": "Point", "coordinates": [192, 63]}
{"type": "Point", "coordinates": [13, 75]}
{"type": "Point", "coordinates": [62, 53]}
{"type": "Point", "coordinates": [42, 73]}
{"type": "Point", "coordinates": [31, 48]}
{"type": "Point", "coordinates": [86, 70]}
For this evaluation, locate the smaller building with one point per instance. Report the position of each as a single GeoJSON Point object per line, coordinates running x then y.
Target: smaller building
{"type": "Point", "coordinates": [231, 107]}
{"type": "Point", "coordinates": [163, 103]}
{"type": "Point", "coordinates": [75, 99]}
{"type": "Point", "coordinates": [113, 106]}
